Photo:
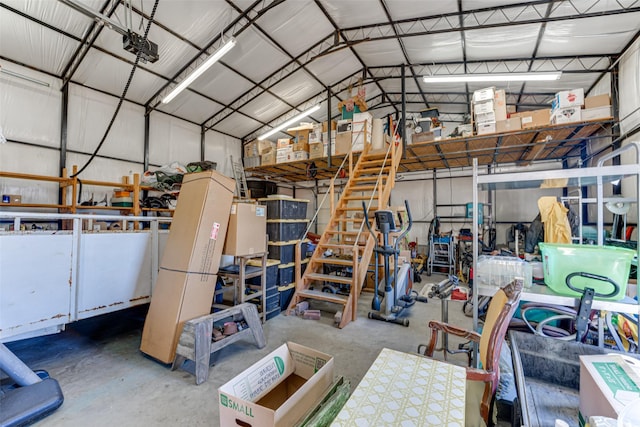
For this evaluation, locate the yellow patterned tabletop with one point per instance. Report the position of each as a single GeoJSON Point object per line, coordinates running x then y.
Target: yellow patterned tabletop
{"type": "Point", "coordinates": [406, 390]}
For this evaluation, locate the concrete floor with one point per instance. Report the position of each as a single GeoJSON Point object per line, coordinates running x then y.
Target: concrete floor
{"type": "Point", "coordinates": [107, 381]}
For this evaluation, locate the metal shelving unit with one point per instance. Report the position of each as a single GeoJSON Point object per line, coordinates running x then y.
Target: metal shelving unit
{"type": "Point", "coordinates": [591, 176]}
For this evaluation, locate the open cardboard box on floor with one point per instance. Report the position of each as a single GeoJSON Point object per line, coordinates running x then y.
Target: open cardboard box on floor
{"type": "Point", "coordinates": [278, 390]}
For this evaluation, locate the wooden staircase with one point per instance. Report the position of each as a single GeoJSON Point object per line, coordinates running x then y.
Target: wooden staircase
{"type": "Point", "coordinates": [370, 181]}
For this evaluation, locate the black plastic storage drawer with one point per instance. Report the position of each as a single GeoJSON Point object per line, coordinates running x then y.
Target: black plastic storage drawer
{"type": "Point", "coordinates": [272, 273]}
{"type": "Point", "coordinates": [273, 302]}
{"type": "Point", "coordinates": [287, 272]}
{"type": "Point", "coordinates": [286, 229]}
{"type": "Point", "coordinates": [286, 293]}
{"type": "Point", "coordinates": [280, 207]}
{"type": "Point", "coordinates": [285, 252]}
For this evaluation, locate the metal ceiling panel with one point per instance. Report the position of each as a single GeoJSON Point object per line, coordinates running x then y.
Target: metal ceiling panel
{"type": "Point", "coordinates": [353, 13]}
{"type": "Point", "coordinates": [255, 56]}
{"type": "Point", "coordinates": [572, 7]}
{"type": "Point", "coordinates": [38, 47]}
{"type": "Point", "coordinates": [237, 125]}
{"type": "Point", "coordinates": [296, 26]}
{"type": "Point", "coordinates": [395, 85]}
{"type": "Point", "coordinates": [190, 105]}
{"type": "Point", "coordinates": [198, 21]}
{"type": "Point", "coordinates": [265, 107]}
{"type": "Point", "coordinates": [408, 9]}
{"type": "Point", "coordinates": [222, 84]}
{"type": "Point", "coordinates": [297, 87]}
{"type": "Point", "coordinates": [104, 72]}
{"type": "Point", "coordinates": [521, 11]}
{"type": "Point", "coordinates": [514, 42]}
{"type": "Point", "coordinates": [590, 35]}
{"type": "Point", "coordinates": [381, 52]}
{"type": "Point", "coordinates": [55, 14]}
{"type": "Point", "coordinates": [333, 67]}
{"type": "Point", "coordinates": [436, 47]}
{"type": "Point", "coordinates": [567, 81]}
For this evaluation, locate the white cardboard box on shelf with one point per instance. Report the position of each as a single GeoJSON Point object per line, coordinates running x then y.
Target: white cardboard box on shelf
{"type": "Point", "coordinates": [486, 117]}
{"type": "Point", "coordinates": [278, 390]}
{"type": "Point", "coordinates": [486, 94]}
{"type": "Point", "coordinates": [568, 98]}
{"type": "Point", "coordinates": [597, 113]}
{"type": "Point", "coordinates": [607, 384]}
{"type": "Point", "coordinates": [486, 128]}
{"type": "Point", "coordinates": [566, 115]}
{"type": "Point", "coordinates": [284, 155]}
{"type": "Point", "coordinates": [483, 107]}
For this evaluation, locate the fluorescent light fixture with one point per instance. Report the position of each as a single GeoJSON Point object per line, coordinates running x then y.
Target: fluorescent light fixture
{"type": "Point", "coordinates": [23, 77]}
{"type": "Point", "coordinates": [289, 122]}
{"type": "Point", "coordinates": [222, 50]}
{"type": "Point", "coordinates": [503, 77]}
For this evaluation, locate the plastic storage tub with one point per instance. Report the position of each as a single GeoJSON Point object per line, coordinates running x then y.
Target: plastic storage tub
{"type": "Point", "coordinates": [561, 260]}
{"type": "Point", "coordinates": [285, 252]}
{"type": "Point", "coordinates": [286, 229]}
{"type": "Point", "coordinates": [272, 273]}
{"type": "Point", "coordinates": [287, 272]}
{"type": "Point", "coordinates": [280, 207]}
{"type": "Point", "coordinates": [499, 271]}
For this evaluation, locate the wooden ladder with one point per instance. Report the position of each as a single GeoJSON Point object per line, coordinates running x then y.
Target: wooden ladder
{"type": "Point", "coordinates": [346, 236]}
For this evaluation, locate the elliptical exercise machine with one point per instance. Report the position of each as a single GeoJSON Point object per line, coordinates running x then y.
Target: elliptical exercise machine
{"type": "Point", "coordinates": [398, 293]}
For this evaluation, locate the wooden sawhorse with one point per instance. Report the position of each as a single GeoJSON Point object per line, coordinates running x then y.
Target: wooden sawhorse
{"type": "Point", "coordinates": [196, 341]}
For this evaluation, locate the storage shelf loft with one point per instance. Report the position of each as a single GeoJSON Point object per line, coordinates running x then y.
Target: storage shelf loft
{"type": "Point", "coordinates": [522, 146]}
{"type": "Point", "coordinates": [70, 188]}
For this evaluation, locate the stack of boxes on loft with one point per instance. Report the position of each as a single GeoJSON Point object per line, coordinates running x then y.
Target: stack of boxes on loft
{"type": "Point", "coordinates": [286, 227]}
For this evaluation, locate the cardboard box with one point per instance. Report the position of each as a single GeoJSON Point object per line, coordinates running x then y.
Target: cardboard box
{"type": "Point", "coordinates": [251, 162]}
{"type": "Point", "coordinates": [361, 133]}
{"type": "Point", "coordinates": [343, 143]}
{"type": "Point", "coordinates": [187, 276]}
{"type": "Point", "coordinates": [607, 385]}
{"type": "Point", "coordinates": [283, 143]}
{"type": "Point", "coordinates": [344, 126]}
{"type": "Point", "coordinates": [568, 98]}
{"type": "Point", "coordinates": [316, 150]}
{"type": "Point", "coordinates": [566, 115]}
{"type": "Point", "coordinates": [486, 128]}
{"type": "Point", "coordinates": [284, 155]}
{"type": "Point", "coordinates": [300, 137]}
{"type": "Point", "coordinates": [500, 105]}
{"type": "Point", "coordinates": [597, 101]}
{"type": "Point", "coordinates": [483, 107]}
{"type": "Point", "coordinates": [324, 126]}
{"type": "Point", "coordinates": [594, 113]}
{"type": "Point", "coordinates": [509, 125]}
{"type": "Point", "coordinates": [268, 158]}
{"type": "Point", "coordinates": [258, 147]}
{"type": "Point", "coordinates": [300, 155]}
{"type": "Point", "coordinates": [485, 117]}
{"type": "Point", "coordinates": [278, 390]}
{"type": "Point", "coordinates": [247, 231]}
{"type": "Point", "coordinates": [534, 118]}
{"type": "Point", "coordinates": [486, 94]}
{"type": "Point", "coordinates": [316, 133]}
{"type": "Point", "coordinates": [300, 146]}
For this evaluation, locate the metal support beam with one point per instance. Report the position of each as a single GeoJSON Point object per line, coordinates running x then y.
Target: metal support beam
{"type": "Point", "coordinates": [147, 127]}
{"type": "Point", "coordinates": [403, 125]}
{"type": "Point", "coordinates": [64, 111]}
{"type": "Point", "coordinates": [329, 144]}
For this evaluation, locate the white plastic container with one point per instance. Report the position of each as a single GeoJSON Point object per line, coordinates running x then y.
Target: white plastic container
{"type": "Point", "coordinates": [499, 271]}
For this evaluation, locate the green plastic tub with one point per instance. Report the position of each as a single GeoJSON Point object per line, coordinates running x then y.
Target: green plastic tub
{"type": "Point", "coordinates": [561, 260]}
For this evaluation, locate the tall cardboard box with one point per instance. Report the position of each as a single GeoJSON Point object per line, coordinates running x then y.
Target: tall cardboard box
{"type": "Point", "coordinates": [247, 231]}
{"type": "Point", "coordinates": [186, 281]}
{"type": "Point", "coordinates": [343, 143]}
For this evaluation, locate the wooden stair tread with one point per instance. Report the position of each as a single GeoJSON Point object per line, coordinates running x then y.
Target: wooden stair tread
{"type": "Point", "coordinates": [324, 296]}
{"type": "Point", "coordinates": [362, 188]}
{"type": "Point", "coordinates": [359, 198]}
{"type": "Point", "coordinates": [337, 246]}
{"type": "Point", "coordinates": [343, 233]}
{"type": "Point", "coordinates": [366, 178]}
{"type": "Point", "coordinates": [329, 278]}
{"type": "Point", "coordinates": [333, 261]}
